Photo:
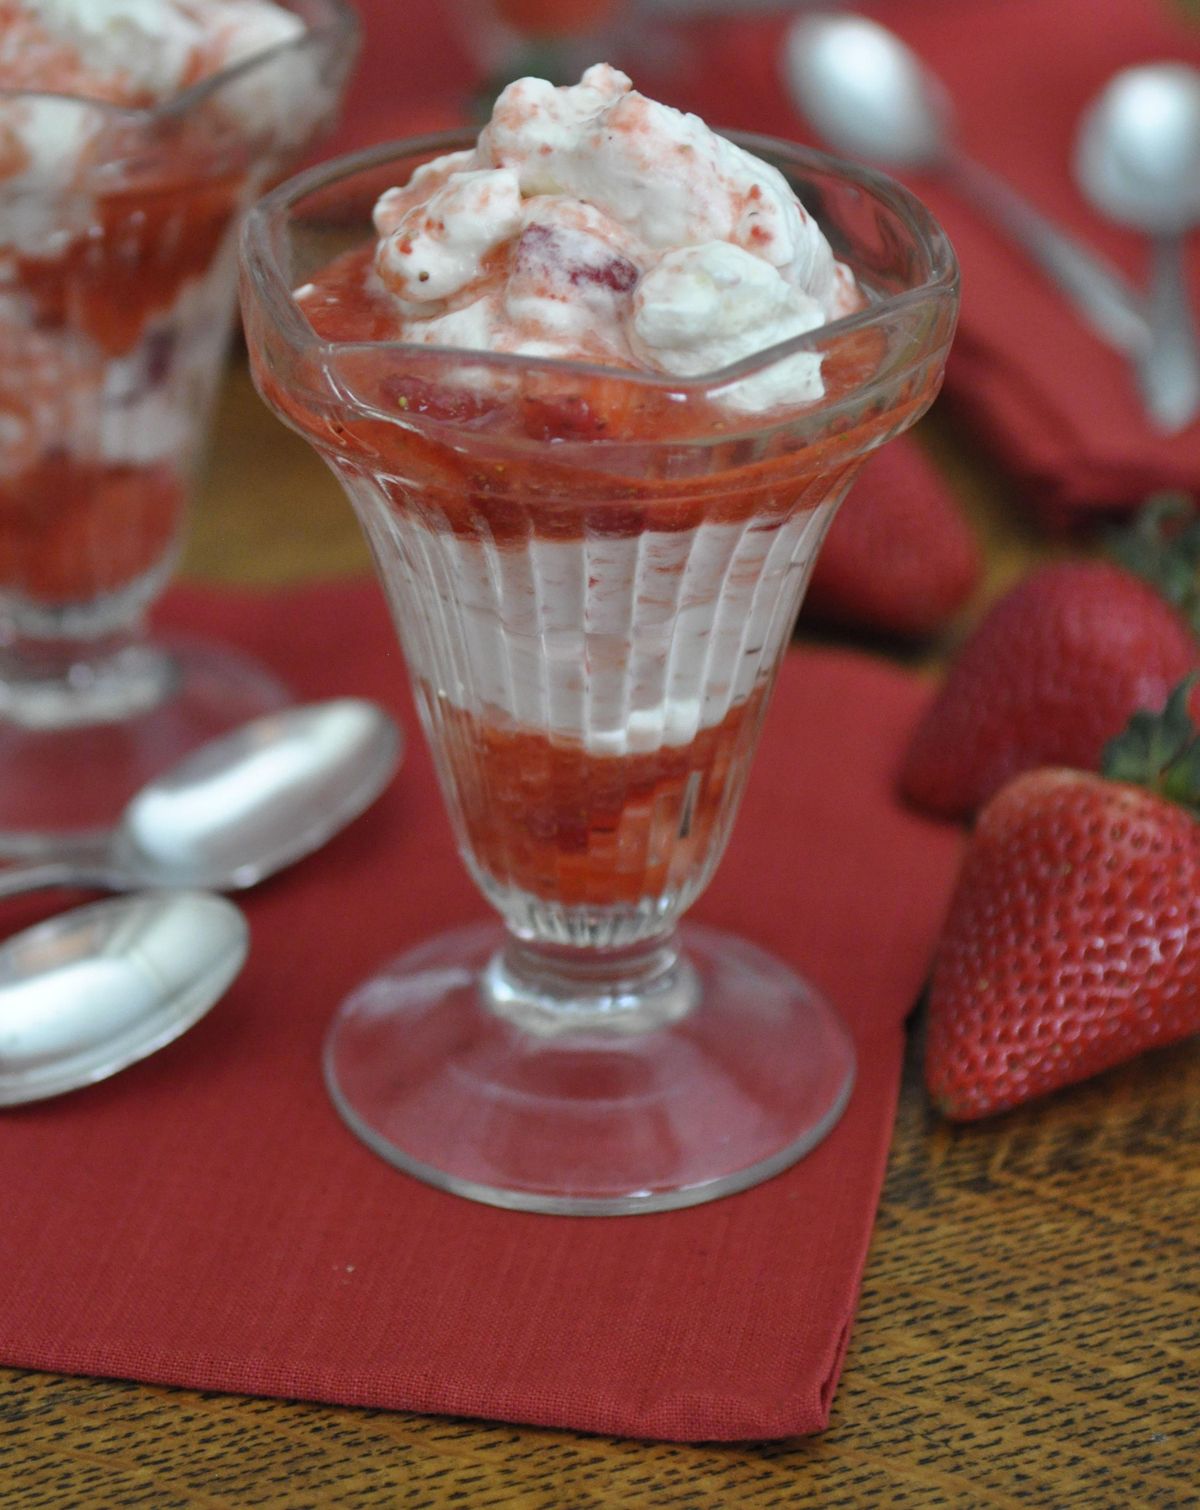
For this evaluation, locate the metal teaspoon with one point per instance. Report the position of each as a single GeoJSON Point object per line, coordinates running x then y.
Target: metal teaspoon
{"type": "Point", "coordinates": [93, 990]}
{"type": "Point", "coordinates": [869, 96]}
{"type": "Point", "coordinates": [239, 808]}
{"type": "Point", "coordinates": [1138, 160]}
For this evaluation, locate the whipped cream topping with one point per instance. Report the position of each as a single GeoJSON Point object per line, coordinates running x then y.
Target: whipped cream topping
{"type": "Point", "coordinates": [61, 59]}
{"type": "Point", "coordinates": [133, 52]}
{"type": "Point", "coordinates": [591, 223]}
{"type": "Point", "coordinates": [139, 49]}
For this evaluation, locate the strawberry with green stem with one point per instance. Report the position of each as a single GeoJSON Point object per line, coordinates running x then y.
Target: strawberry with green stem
{"type": "Point", "coordinates": [1060, 662]}
{"type": "Point", "coordinates": [1072, 942]}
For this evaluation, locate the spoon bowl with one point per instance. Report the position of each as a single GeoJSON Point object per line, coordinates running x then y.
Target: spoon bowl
{"type": "Point", "coordinates": [240, 808]}
{"type": "Point", "coordinates": [1138, 149]}
{"type": "Point", "coordinates": [1137, 159]}
{"type": "Point", "coordinates": [94, 990]}
{"type": "Point", "coordinates": [866, 93]}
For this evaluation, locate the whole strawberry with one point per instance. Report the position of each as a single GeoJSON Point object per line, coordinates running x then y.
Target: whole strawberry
{"type": "Point", "coordinates": [1052, 672]}
{"type": "Point", "coordinates": [900, 558]}
{"type": "Point", "coordinates": [1072, 942]}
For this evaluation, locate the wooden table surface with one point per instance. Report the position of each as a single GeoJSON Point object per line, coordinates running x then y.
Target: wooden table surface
{"type": "Point", "coordinates": [1029, 1331]}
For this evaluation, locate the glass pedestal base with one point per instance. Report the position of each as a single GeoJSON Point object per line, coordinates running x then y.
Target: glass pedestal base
{"type": "Point", "coordinates": [72, 757]}
{"type": "Point", "coordinates": [592, 1119]}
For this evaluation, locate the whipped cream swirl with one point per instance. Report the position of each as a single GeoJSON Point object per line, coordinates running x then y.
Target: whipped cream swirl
{"type": "Point", "coordinates": [61, 59]}
{"type": "Point", "coordinates": [591, 223]}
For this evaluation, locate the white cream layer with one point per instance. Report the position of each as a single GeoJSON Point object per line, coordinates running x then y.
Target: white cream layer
{"type": "Point", "coordinates": [39, 212]}
{"type": "Point", "coordinates": [145, 417]}
{"type": "Point", "coordinates": [624, 644]}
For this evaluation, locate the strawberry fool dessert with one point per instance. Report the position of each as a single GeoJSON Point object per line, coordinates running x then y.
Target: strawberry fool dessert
{"type": "Point", "coordinates": [594, 549]}
{"type": "Point", "coordinates": [132, 132]}
{"type": "Point", "coordinates": [594, 382]}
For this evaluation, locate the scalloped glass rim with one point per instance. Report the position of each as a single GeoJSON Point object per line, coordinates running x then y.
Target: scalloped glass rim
{"type": "Point", "coordinates": [338, 20]}
{"type": "Point", "coordinates": [273, 288]}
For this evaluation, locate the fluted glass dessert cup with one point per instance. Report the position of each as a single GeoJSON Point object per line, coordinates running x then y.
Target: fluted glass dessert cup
{"type": "Point", "coordinates": [118, 282]}
{"type": "Point", "coordinates": [593, 574]}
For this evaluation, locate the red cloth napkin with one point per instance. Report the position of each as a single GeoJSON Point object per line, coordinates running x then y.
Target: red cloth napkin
{"type": "Point", "coordinates": [1056, 407]}
{"type": "Point", "coordinates": [204, 1219]}
{"type": "Point", "coordinates": [1053, 404]}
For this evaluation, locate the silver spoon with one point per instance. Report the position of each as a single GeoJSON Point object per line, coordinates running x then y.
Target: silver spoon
{"type": "Point", "coordinates": [98, 988]}
{"type": "Point", "coordinates": [869, 96]}
{"type": "Point", "coordinates": [1137, 159]}
{"type": "Point", "coordinates": [239, 808]}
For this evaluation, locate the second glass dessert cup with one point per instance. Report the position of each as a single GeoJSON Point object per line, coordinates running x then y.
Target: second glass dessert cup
{"type": "Point", "coordinates": [594, 575]}
{"type": "Point", "coordinates": [118, 276]}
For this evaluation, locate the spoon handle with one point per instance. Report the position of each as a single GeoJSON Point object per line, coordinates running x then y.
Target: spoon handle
{"type": "Point", "coordinates": [46, 875]}
{"type": "Point", "coordinates": [1110, 307]}
{"type": "Point", "coordinates": [1169, 372]}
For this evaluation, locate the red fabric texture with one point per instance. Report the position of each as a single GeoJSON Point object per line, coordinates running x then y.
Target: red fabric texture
{"type": "Point", "coordinates": [204, 1219]}
{"type": "Point", "coordinates": [1055, 406]}
{"type": "Point", "coordinates": [413, 74]}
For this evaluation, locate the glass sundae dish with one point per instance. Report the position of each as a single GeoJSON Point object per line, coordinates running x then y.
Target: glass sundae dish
{"type": "Point", "coordinates": [132, 135]}
{"type": "Point", "coordinates": [594, 385]}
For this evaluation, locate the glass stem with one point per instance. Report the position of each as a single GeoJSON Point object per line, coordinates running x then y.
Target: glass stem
{"type": "Point", "coordinates": [547, 989]}
{"type": "Point", "coordinates": [68, 683]}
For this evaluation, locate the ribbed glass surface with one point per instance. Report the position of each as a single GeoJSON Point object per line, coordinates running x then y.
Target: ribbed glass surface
{"type": "Point", "coordinates": [593, 703]}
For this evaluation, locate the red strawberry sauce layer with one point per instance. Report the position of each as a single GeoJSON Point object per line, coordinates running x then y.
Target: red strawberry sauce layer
{"type": "Point", "coordinates": [557, 821]}
{"type": "Point", "coordinates": [488, 486]}
{"type": "Point", "coordinates": [71, 529]}
{"type": "Point", "coordinates": [146, 240]}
